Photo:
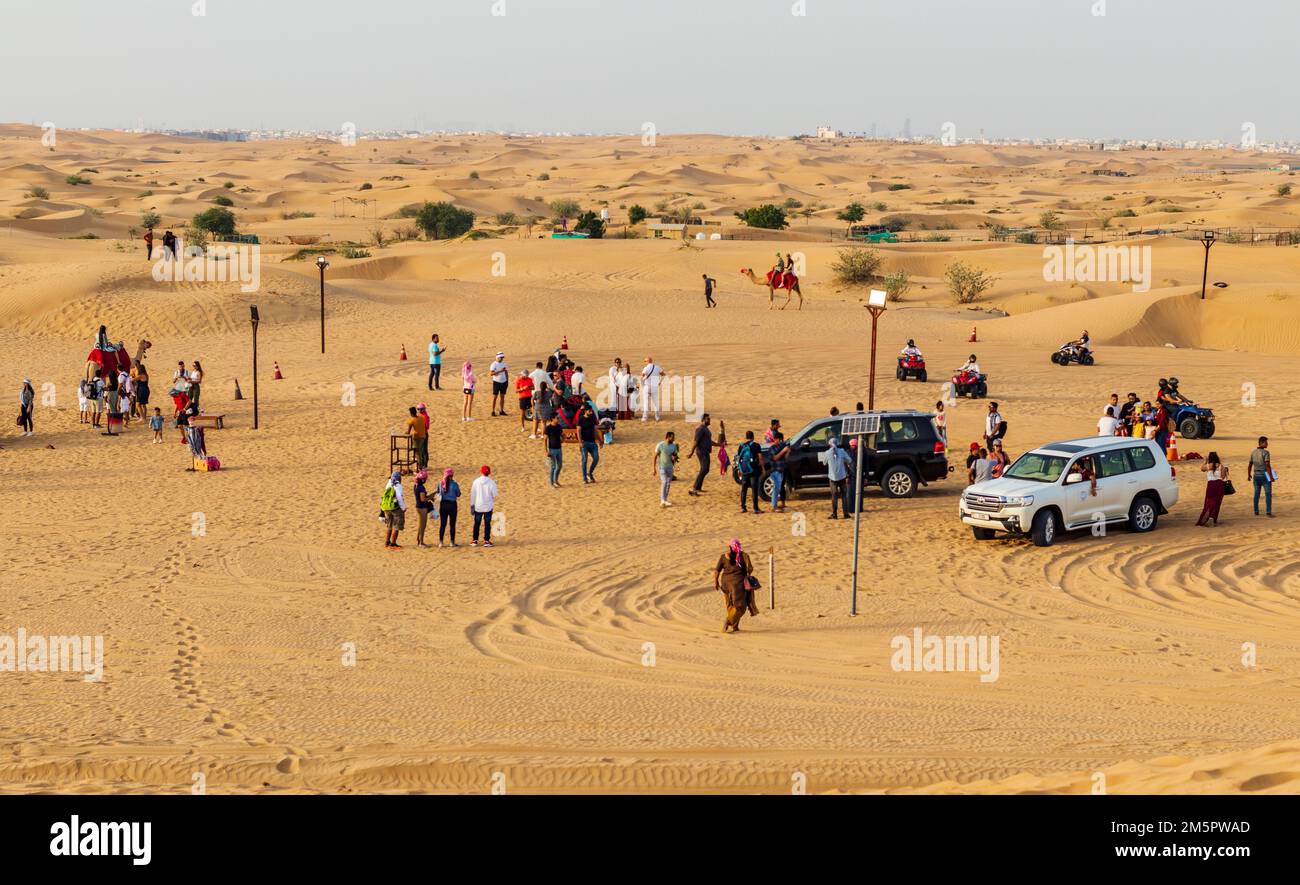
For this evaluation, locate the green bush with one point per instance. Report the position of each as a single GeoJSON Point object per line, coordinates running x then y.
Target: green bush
{"type": "Point", "coordinates": [216, 221]}
{"type": "Point", "coordinates": [852, 213]}
{"type": "Point", "coordinates": [473, 176]}
{"type": "Point", "coordinates": [966, 282]}
{"type": "Point", "coordinates": [149, 218]}
{"type": "Point", "coordinates": [223, 200]}
{"type": "Point", "coordinates": [856, 265]}
{"type": "Point", "coordinates": [229, 185]}
{"type": "Point", "coordinates": [39, 193]}
{"type": "Point", "coordinates": [506, 218]}
{"type": "Point", "coordinates": [592, 224]}
{"type": "Point", "coordinates": [900, 187]}
{"type": "Point", "coordinates": [1284, 190]}
{"type": "Point", "coordinates": [564, 209]}
{"type": "Point", "coordinates": [1126, 213]}
{"type": "Point", "coordinates": [896, 223]}
{"type": "Point", "coordinates": [898, 284]}
{"type": "Point", "coordinates": [365, 186]}
{"type": "Point", "coordinates": [75, 180]}
{"type": "Point", "coordinates": [545, 176]}
{"type": "Point", "coordinates": [767, 216]}
{"type": "Point", "coordinates": [442, 221]}
{"type": "Point", "coordinates": [354, 252]}
{"type": "Point", "coordinates": [637, 214]}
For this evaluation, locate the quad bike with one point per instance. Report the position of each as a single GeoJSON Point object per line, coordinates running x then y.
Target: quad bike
{"type": "Point", "coordinates": [970, 384]}
{"type": "Point", "coordinates": [911, 367]}
{"type": "Point", "coordinates": [1070, 352]}
{"type": "Point", "coordinates": [1192, 421]}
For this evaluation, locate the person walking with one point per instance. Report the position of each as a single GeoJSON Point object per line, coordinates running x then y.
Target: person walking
{"type": "Point", "coordinates": [751, 466]}
{"type": "Point", "coordinates": [436, 350]}
{"type": "Point", "coordinates": [423, 506]}
{"type": "Point", "coordinates": [1262, 476]}
{"type": "Point", "coordinates": [590, 439]}
{"type": "Point", "coordinates": [553, 438]}
{"type": "Point", "coordinates": [650, 375]}
{"type": "Point", "coordinates": [941, 422]}
{"type": "Point", "coordinates": [665, 458]}
{"type": "Point", "coordinates": [709, 283]}
{"type": "Point", "coordinates": [733, 576]}
{"type": "Point", "coordinates": [392, 505]}
{"type": "Point", "coordinates": [838, 467]}
{"type": "Point", "coordinates": [468, 383]}
{"type": "Point", "coordinates": [1216, 485]}
{"type": "Point", "coordinates": [778, 456]}
{"type": "Point", "coordinates": [500, 384]}
{"type": "Point", "coordinates": [482, 500]}
{"type": "Point", "coordinates": [26, 402]}
{"type": "Point", "coordinates": [701, 449]}
{"type": "Point", "coordinates": [448, 496]}
{"type": "Point", "coordinates": [156, 425]}
{"type": "Point", "coordinates": [148, 244]}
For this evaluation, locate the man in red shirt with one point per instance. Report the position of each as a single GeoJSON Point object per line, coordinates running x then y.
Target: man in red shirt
{"type": "Point", "coordinates": [524, 388]}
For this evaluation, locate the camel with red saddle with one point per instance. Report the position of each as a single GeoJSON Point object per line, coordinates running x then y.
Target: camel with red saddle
{"type": "Point", "coordinates": [787, 281]}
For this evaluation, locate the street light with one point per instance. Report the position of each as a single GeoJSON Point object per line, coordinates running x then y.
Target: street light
{"type": "Point", "coordinates": [875, 304]}
{"type": "Point", "coordinates": [252, 309]}
{"type": "Point", "coordinates": [1207, 239]}
{"type": "Point", "coordinates": [322, 264]}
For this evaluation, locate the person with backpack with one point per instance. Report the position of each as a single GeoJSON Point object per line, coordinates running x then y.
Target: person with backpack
{"type": "Point", "coordinates": [750, 466]}
{"type": "Point", "coordinates": [995, 427]}
{"type": "Point", "coordinates": [392, 506]}
{"type": "Point", "coordinates": [838, 467]}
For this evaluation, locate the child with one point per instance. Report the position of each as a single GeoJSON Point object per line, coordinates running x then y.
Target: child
{"type": "Point", "coordinates": [82, 403]}
{"type": "Point", "coordinates": [156, 424]}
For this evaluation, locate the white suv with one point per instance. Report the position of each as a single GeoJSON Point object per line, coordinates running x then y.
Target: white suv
{"type": "Point", "coordinates": [1078, 483]}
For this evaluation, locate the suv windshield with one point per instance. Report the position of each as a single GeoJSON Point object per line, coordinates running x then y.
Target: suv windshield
{"type": "Point", "coordinates": [1037, 467]}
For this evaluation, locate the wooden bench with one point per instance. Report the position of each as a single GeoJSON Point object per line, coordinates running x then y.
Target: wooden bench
{"type": "Point", "coordinates": [216, 422]}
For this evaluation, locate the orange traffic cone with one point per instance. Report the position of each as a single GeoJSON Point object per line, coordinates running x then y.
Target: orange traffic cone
{"type": "Point", "coordinates": [564, 345]}
{"type": "Point", "coordinates": [278, 376]}
{"type": "Point", "coordinates": [973, 337]}
{"type": "Point", "coordinates": [403, 356]}
{"type": "Point", "coordinates": [1172, 451]}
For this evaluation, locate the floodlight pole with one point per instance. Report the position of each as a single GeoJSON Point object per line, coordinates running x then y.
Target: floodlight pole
{"type": "Point", "coordinates": [322, 264]}
{"type": "Point", "coordinates": [871, 389]}
{"type": "Point", "coordinates": [857, 523]}
{"type": "Point", "coordinates": [1207, 240]}
{"type": "Point", "coordinates": [254, 321]}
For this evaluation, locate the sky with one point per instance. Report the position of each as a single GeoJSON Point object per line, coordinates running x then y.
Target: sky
{"type": "Point", "coordinates": [1190, 69]}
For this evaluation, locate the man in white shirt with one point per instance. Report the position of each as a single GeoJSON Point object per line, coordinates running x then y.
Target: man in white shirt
{"type": "Point", "coordinates": [500, 383]}
{"type": "Point", "coordinates": [1108, 424]}
{"type": "Point", "coordinates": [540, 381]}
{"type": "Point", "coordinates": [650, 376]}
{"type": "Point", "coordinates": [578, 379]}
{"type": "Point", "coordinates": [482, 500]}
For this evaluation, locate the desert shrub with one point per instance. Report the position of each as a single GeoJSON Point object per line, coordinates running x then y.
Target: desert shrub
{"type": "Point", "coordinates": [1284, 190]}
{"type": "Point", "coordinates": [1027, 237]}
{"type": "Point", "coordinates": [354, 252]}
{"type": "Point", "coordinates": [506, 218]}
{"type": "Point", "coordinates": [564, 209]}
{"type": "Point", "coordinates": [217, 221]}
{"type": "Point", "coordinates": [636, 214]}
{"type": "Point", "coordinates": [698, 205]}
{"type": "Point", "coordinates": [898, 284]}
{"type": "Point", "coordinates": [878, 206]}
{"type": "Point", "coordinates": [856, 265]}
{"type": "Point", "coordinates": [545, 176]}
{"type": "Point", "coordinates": [39, 193]}
{"type": "Point", "coordinates": [900, 187]}
{"type": "Point", "coordinates": [75, 180]}
{"type": "Point", "coordinates": [592, 224]}
{"type": "Point", "coordinates": [966, 282]}
{"type": "Point", "coordinates": [791, 203]}
{"type": "Point", "coordinates": [441, 221]}
{"type": "Point", "coordinates": [405, 232]}
{"type": "Point", "coordinates": [378, 236]}
{"type": "Point", "coordinates": [937, 238]}
{"type": "Point", "coordinates": [149, 218]}
{"type": "Point", "coordinates": [852, 213]}
{"type": "Point", "coordinates": [290, 216]}
{"type": "Point", "coordinates": [223, 200]}
{"type": "Point", "coordinates": [143, 194]}
{"type": "Point", "coordinates": [365, 186]}
{"type": "Point", "coordinates": [767, 216]}
{"type": "Point", "coordinates": [1126, 213]}
{"type": "Point", "coordinates": [895, 223]}
{"type": "Point", "coordinates": [229, 185]}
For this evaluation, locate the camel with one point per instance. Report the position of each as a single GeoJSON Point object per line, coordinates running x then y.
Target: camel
{"type": "Point", "coordinates": [788, 281]}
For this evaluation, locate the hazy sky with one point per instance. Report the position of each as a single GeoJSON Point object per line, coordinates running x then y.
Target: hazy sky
{"type": "Point", "coordinates": [1178, 68]}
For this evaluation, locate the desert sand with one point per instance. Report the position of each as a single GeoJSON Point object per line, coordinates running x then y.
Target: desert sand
{"type": "Point", "coordinates": [224, 651]}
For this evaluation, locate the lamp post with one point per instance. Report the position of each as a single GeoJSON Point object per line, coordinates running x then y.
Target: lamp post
{"type": "Point", "coordinates": [252, 309]}
{"type": "Point", "coordinates": [322, 264]}
{"type": "Point", "coordinates": [875, 304]}
{"type": "Point", "coordinates": [1207, 239]}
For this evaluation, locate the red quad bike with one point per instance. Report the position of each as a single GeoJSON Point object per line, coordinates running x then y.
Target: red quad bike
{"type": "Point", "coordinates": [970, 384]}
{"type": "Point", "coordinates": [911, 367]}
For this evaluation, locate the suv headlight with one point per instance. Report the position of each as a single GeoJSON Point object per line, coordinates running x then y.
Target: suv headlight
{"type": "Point", "coordinates": [1021, 501]}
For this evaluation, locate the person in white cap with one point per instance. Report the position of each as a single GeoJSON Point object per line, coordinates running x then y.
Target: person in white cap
{"type": "Point", "coordinates": [500, 383]}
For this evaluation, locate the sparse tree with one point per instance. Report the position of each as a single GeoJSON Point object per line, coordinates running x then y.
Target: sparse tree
{"type": "Point", "coordinates": [966, 282]}
{"type": "Point", "coordinates": [856, 266]}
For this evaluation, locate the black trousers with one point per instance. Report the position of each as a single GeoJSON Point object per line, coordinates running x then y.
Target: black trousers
{"type": "Point", "coordinates": [840, 494]}
{"type": "Point", "coordinates": [446, 514]}
{"type": "Point", "coordinates": [485, 519]}
{"type": "Point", "coordinates": [704, 470]}
{"type": "Point", "coordinates": [751, 485]}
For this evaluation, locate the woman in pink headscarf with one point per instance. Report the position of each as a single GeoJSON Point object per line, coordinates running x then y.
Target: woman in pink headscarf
{"type": "Point", "coordinates": [733, 576]}
{"type": "Point", "coordinates": [469, 383]}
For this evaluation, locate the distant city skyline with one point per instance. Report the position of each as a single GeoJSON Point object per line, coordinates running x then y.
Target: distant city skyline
{"type": "Point", "coordinates": [1022, 69]}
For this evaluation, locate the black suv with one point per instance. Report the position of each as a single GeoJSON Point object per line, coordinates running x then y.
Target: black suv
{"type": "Point", "coordinates": [907, 452]}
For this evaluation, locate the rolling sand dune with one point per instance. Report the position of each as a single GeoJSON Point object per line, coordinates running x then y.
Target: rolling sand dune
{"type": "Point", "coordinates": [224, 647]}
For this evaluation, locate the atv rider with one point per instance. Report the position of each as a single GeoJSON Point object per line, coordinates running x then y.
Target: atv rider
{"type": "Point", "coordinates": [911, 351]}
{"type": "Point", "coordinates": [1176, 396]}
{"type": "Point", "coordinates": [971, 366]}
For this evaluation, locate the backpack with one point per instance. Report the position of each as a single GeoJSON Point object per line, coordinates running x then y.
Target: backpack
{"type": "Point", "coordinates": [745, 459]}
{"type": "Point", "coordinates": [389, 500]}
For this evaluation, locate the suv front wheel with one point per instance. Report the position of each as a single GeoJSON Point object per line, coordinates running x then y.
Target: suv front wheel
{"type": "Point", "coordinates": [1142, 514]}
{"type": "Point", "coordinates": [1043, 531]}
{"type": "Point", "coordinates": [899, 482]}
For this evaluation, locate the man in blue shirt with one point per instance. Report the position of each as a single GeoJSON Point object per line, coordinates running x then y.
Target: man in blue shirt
{"type": "Point", "coordinates": [436, 351]}
{"type": "Point", "coordinates": [838, 467]}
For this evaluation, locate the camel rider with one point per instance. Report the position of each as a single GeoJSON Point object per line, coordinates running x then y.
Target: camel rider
{"type": "Point", "coordinates": [780, 263]}
{"type": "Point", "coordinates": [911, 351]}
{"type": "Point", "coordinates": [971, 366]}
{"type": "Point", "coordinates": [101, 340]}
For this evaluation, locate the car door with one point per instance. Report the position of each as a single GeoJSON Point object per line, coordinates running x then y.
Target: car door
{"type": "Point", "coordinates": [1081, 507]}
{"type": "Point", "coordinates": [1114, 475]}
{"type": "Point", "coordinates": [809, 469]}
